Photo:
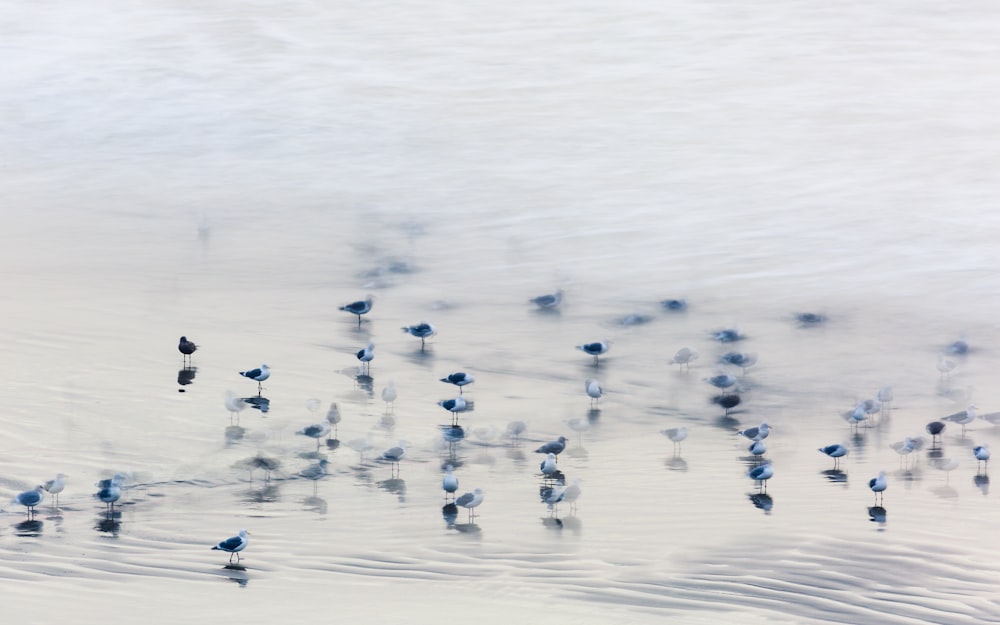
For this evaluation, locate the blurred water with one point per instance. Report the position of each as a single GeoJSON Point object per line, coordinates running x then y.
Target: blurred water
{"type": "Point", "coordinates": [237, 172]}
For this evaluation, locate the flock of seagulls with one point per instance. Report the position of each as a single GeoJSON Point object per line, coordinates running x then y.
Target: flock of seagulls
{"type": "Point", "coordinates": [554, 489]}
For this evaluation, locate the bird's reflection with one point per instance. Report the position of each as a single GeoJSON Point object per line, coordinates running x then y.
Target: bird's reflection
{"type": "Point", "coordinates": [259, 403]}
{"type": "Point", "coordinates": [452, 433]}
{"type": "Point", "coordinates": [835, 475]}
{"type": "Point", "coordinates": [236, 573]}
{"type": "Point", "coordinates": [366, 383]}
{"type": "Point", "coordinates": [387, 422]}
{"type": "Point", "coordinates": [763, 501]}
{"type": "Point", "coordinates": [422, 357]}
{"type": "Point", "coordinates": [332, 443]}
{"type": "Point", "coordinates": [186, 375]}
{"type": "Point", "coordinates": [552, 522]}
{"type": "Point", "coordinates": [449, 513]}
{"type": "Point", "coordinates": [234, 433]}
{"type": "Point", "coordinates": [109, 523]}
{"type": "Point", "coordinates": [31, 527]}
{"type": "Point", "coordinates": [394, 485]}
{"type": "Point", "coordinates": [259, 461]}
{"type": "Point", "coordinates": [877, 514]}
{"type": "Point", "coordinates": [982, 482]}
{"type": "Point", "coordinates": [315, 504]}
{"type": "Point", "coordinates": [267, 493]}
{"type": "Point", "coordinates": [676, 463]}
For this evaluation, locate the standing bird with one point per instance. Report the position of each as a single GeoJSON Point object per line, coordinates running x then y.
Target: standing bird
{"type": "Point", "coordinates": [459, 379]}
{"type": "Point", "coordinates": [110, 491]}
{"type": "Point", "coordinates": [30, 499]}
{"type": "Point", "coordinates": [359, 308]}
{"type": "Point", "coordinates": [553, 447]}
{"type": "Point", "coordinates": [963, 418]}
{"type": "Point", "coordinates": [454, 406]}
{"type": "Point", "coordinates": [470, 501]}
{"type": "Point", "coordinates": [548, 302]}
{"type": "Point", "coordinates": [834, 451]}
{"type": "Point", "coordinates": [878, 486]}
{"type": "Point", "coordinates": [756, 433]}
{"type": "Point", "coordinates": [572, 493]}
{"type": "Point", "coordinates": [259, 375]}
{"type": "Point", "coordinates": [234, 545]}
{"type": "Point", "coordinates": [549, 466]}
{"type": "Point", "coordinates": [315, 471]}
{"type": "Point", "coordinates": [676, 435]}
{"type": "Point", "coordinates": [594, 390]}
{"type": "Point", "coordinates": [235, 405]}
{"type": "Point", "coordinates": [54, 487]}
{"type": "Point", "coordinates": [365, 356]}
{"type": "Point", "coordinates": [945, 366]}
{"type": "Point", "coordinates": [422, 331]}
{"type": "Point", "coordinates": [683, 358]}
{"type": "Point", "coordinates": [316, 431]}
{"type": "Point", "coordinates": [186, 348]}
{"type": "Point", "coordinates": [394, 454]}
{"type": "Point", "coordinates": [757, 449]}
{"type": "Point", "coordinates": [450, 481]}
{"type": "Point", "coordinates": [594, 349]}
{"type": "Point", "coordinates": [742, 360]}
{"type": "Point", "coordinates": [761, 474]}
{"type": "Point", "coordinates": [723, 381]}
{"type": "Point", "coordinates": [333, 417]}
{"type": "Point", "coordinates": [982, 454]}
{"type": "Point", "coordinates": [389, 395]}
{"type": "Point", "coordinates": [934, 428]}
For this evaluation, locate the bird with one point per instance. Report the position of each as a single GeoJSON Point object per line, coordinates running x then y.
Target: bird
{"type": "Point", "coordinates": [878, 486]}
{"type": "Point", "coordinates": [757, 449]}
{"type": "Point", "coordinates": [470, 501]}
{"type": "Point", "coordinates": [450, 482]}
{"type": "Point", "coordinates": [982, 454]}
{"type": "Point", "coordinates": [515, 429]}
{"type": "Point", "coordinates": [389, 395]}
{"type": "Point", "coordinates": [963, 418]}
{"type": "Point", "coordinates": [683, 358]}
{"type": "Point", "coordinates": [727, 401]}
{"type": "Point", "coordinates": [359, 308]}
{"type": "Point", "coordinates": [394, 454]}
{"type": "Point", "coordinates": [934, 428]}
{"type": "Point", "coordinates": [722, 381]}
{"type": "Point", "coordinates": [594, 349]}
{"type": "Point", "coordinates": [548, 466]}
{"type": "Point", "coordinates": [884, 395]}
{"type": "Point", "coordinates": [904, 447]}
{"type": "Point", "coordinates": [552, 496]}
{"type": "Point", "coordinates": [459, 379]}
{"type": "Point", "coordinates": [761, 474]}
{"type": "Point", "coordinates": [553, 447]}
{"type": "Point", "coordinates": [594, 390]}
{"type": "Point", "coordinates": [333, 416]}
{"type": "Point", "coordinates": [186, 348]}
{"type": "Point", "coordinates": [234, 545]}
{"type": "Point", "coordinates": [757, 433]}
{"type": "Point", "coordinates": [316, 431]}
{"type": "Point", "coordinates": [234, 405]}
{"type": "Point", "coordinates": [809, 318]}
{"type": "Point", "coordinates": [31, 498]}
{"type": "Point", "coordinates": [365, 355]}
{"type": "Point", "coordinates": [259, 375]}
{"type": "Point", "coordinates": [676, 435]}
{"type": "Point", "coordinates": [835, 451]}
{"type": "Point", "coordinates": [959, 347]}
{"type": "Point", "coordinates": [110, 491]}
{"type": "Point", "coordinates": [454, 406]}
{"type": "Point", "coordinates": [674, 305]}
{"type": "Point", "coordinates": [422, 331]}
{"type": "Point", "coordinates": [945, 365]}
{"type": "Point", "coordinates": [728, 335]}
{"type": "Point", "coordinates": [572, 493]}
{"type": "Point", "coordinates": [55, 486]}
{"type": "Point", "coordinates": [315, 471]}
{"type": "Point", "coordinates": [857, 415]}
{"type": "Point", "coordinates": [549, 301]}
{"type": "Point", "coordinates": [742, 360]}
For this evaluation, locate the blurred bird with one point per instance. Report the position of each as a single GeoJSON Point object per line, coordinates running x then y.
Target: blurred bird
{"type": "Point", "coordinates": [548, 302]}
{"type": "Point", "coordinates": [834, 451]}
{"type": "Point", "coordinates": [594, 349]}
{"type": "Point", "coordinates": [683, 358]}
{"type": "Point", "coordinates": [359, 308]}
{"type": "Point", "coordinates": [593, 390]}
{"type": "Point", "coordinates": [422, 331]}
{"type": "Point", "coordinates": [389, 395]}
{"type": "Point", "coordinates": [878, 486]}
{"type": "Point", "coordinates": [54, 487]}
{"type": "Point", "coordinates": [186, 348]}
{"type": "Point", "coordinates": [459, 379]}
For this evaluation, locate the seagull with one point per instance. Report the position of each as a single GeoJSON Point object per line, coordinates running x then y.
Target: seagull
{"type": "Point", "coordinates": [757, 433]}
{"type": "Point", "coordinates": [742, 360]}
{"type": "Point", "coordinates": [316, 430]}
{"type": "Point", "coordinates": [572, 493]}
{"type": "Point", "coordinates": [31, 498]}
{"type": "Point", "coordinates": [982, 454]}
{"type": "Point", "coordinates": [761, 474]}
{"type": "Point", "coordinates": [993, 417]}
{"type": "Point", "coordinates": [594, 390]}
{"type": "Point", "coordinates": [934, 428]}
{"type": "Point", "coordinates": [234, 405]}
{"type": "Point", "coordinates": [594, 349]}
{"type": "Point", "coordinates": [110, 491]}
{"type": "Point", "coordinates": [470, 501]}
{"type": "Point", "coordinates": [389, 395]}
{"type": "Point", "coordinates": [422, 331]}
{"type": "Point", "coordinates": [359, 308]}
{"type": "Point", "coordinates": [554, 447]}
{"type": "Point", "coordinates": [394, 454]}
{"type": "Point", "coordinates": [459, 379]}
{"type": "Point", "coordinates": [727, 401]}
{"type": "Point", "coordinates": [260, 374]}
{"type": "Point", "coordinates": [450, 481]}
{"type": "Point", "coordinates": [677, 435]}
{"type": "Point", "coordinates": [315, 471]}
{"type": "Point", "coordinates": [757, 449]}
{"type": "Point", "coordinates": [549, 466]}
{"type": "Point", "coordinates": [959, 347]}
{"type": "Point", "coordinates": [552, 496]}
{"type": "Point", "coordinates": [878, 486]}
{"type": "Point", "coordinates": [857, 416]}
{"type": "Point", "coordinates": [834, 451]}
{"type": "Point", "coordinates": [55, 486]}
{"type": "Point", "coordinates": [365, 355]}
{"type": "Point", "coordinates": [904, 447]}
{"type": "Point", "coordinates": [548, 302]}
{"type": "Point", "coordinates": [884, 397]}
{"type": "Point", "coordinates": [722, 381]}
{"type": "Point", "coordinates": [234, 545]}
{"type": "Point", "coordinates": [810, 319]}
{"type": "Point", "coordinates": [963, 418]}
{"type": "Point", "coordinates": [515, 429]}
{"type": "Point", "coordinates": [683, 358]}
{"type": "Point", "coordinates": [333, 416]}
{"type": "Point", "coordinates": [186, 348]}
{"type": "Point", "coordinates": [945, 365]}
{"type": "Point", "coordinates": [728, 335]}
{"type": "Point", "coordinates": [674, 305]}
{"type": "Point", "coordinates": [454, 406]}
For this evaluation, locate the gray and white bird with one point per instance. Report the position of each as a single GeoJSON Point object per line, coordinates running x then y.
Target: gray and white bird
{"type": "Point", "coordinates": [594, 390]}
{"type": "Point", "coordinates": [963, 418]}
{"type": "Point", "coordinates": [459, 379]}
{"type": "Point", "coordinates": [259, 374]}
{"type": "Point", "coordinates": [389, 395]}
{"type": "Point", "coordinates": [878, 486]}
{"type": "Point", "coordinates": [359, 308]}
{"type": "Point", "coordinates": [316, 431]}
{"type": "Point", "coordinates": [471, 501]}
{"type": "Point", "coordinates": [31, 498]}
{"type": "Point", "coordinates": [835, 451]}
{"type": "Point", "coordinates": [549, 466]}
{"type": "Point", "coordinates": [422, 331]}
{"type": "Point", "coordinates": [450, 481]}
{"type": "Point", "coordinates": [595, 349]}
{"type": "Point", "coordinates": [549, 301]}
{"type": "Point", "coordinates": [365, 356]}
{"type": "Point", "coordinates": [757, 433]}
{"type": "Point", "coordinates": [676, 435]}
{"type": "Point", "coordinates": [553, 447]}
{"type": "Point", "coordinates": [683, 358]}
{"type": "Point", "coordinates": [234, 545]}
{"type": "Point", "coordinates": [54, 487]}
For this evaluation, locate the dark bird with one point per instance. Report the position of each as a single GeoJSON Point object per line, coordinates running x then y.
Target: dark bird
{"type": "Point", "coordinates": [594, 349]}
{"type": "Point", "coordinates": [422, 331]}
{"type": "Point", "coordinates": [186, 348]}
{"type": "Point", "coordinates": [934, 428]}
{"type": "Point", "coordinates": [234, 545]}
{"type": "Point", "coordinates": [834, 451]}
{"type": "Point", "coordinates": [459, 379]}
{"type": "Point", "coordinates": [548, 302]}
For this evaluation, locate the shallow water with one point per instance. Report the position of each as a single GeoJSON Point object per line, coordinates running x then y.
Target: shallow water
{"type": "Point", "coordinates": [235, 174]}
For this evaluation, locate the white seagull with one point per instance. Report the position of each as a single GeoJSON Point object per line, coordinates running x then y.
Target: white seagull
{"type": "Point", "coordinates": [234, 545]}
{"type": "Point", "coordinates": [594, 390]}
{"type": "Point", "coordinates": [55, 486]}
{"type": "Point", "coordinates": [259, 375]}
{"type": "Point", "coordinates": [470, 501]}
